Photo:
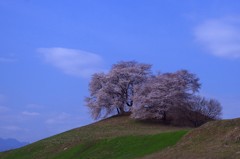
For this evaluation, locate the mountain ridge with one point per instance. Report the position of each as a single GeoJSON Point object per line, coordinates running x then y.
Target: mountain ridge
{"type": "Point", "coordinates": [10, 143]}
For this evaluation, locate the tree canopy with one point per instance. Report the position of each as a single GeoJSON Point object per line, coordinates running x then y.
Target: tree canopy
{"type": "Point", "coordinates": [114, 91]}
{"type": "Point", "coordinates": [130, 86]}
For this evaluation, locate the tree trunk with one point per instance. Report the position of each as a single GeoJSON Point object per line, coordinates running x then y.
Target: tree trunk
{"type": "Point", "coordinates": [164, 116]}
{"type": "Point", "coordinates": [118, 111]}
{"type": "Point", "coordinates": [121, 110]}
{"type": "Point", "coordinates": [130, 104]}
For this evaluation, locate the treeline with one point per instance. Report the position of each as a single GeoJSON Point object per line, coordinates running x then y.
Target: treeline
{"type": "Point", "coordinates": [168, 97]}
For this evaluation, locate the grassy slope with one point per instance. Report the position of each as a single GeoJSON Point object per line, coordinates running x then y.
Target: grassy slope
{"type": "Point", "coordinates": [94, 140]}
{"type": "Point", "coordinates": [125, 147]}
{"type": "Point", "coordinates": [217, 139]}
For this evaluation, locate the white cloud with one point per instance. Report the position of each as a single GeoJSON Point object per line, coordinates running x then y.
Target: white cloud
{"type": "Point", "coordinates": [72, 62]}
{"type": "Point", "coordinates": [221, 37]}
{"type": "Point", "coordinates": [27, 113]}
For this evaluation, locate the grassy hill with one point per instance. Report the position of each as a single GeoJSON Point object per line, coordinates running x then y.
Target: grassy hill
{"type": "Point", "coordinates": [214, 140]}
{"type": "Point", "coordinates": [115, 137]}
{"type": "Point", "coordinates": [124, 138]}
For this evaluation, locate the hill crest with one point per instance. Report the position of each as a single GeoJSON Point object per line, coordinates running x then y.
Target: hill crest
{"type": "Point", "coordinates": [216, 139]}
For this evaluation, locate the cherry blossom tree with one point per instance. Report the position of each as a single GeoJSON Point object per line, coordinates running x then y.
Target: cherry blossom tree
{"type": "Point", "coordinates": [114, 91]}
{"type": "Point", "coordinates": [130, 86]}
{"type": "Point", "coordinates": [197, 111]}
{"type": "Point", "coordinates": [162, 93]}
{"type": "Point", "coordinates": [202, 110]}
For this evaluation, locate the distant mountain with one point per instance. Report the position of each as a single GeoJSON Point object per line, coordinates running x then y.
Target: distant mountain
{"type": "Point", "coordinates": [8, 144]}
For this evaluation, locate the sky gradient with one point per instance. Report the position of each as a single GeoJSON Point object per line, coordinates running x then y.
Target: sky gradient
{"type": "Point", "coordinates": [49, 49]}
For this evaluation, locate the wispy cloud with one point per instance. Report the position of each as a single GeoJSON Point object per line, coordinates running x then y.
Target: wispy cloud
{"type": "Point", "coordinates": [27, 113]}
{"type": "Point", "coordinates": [59, 118]}
{"type": "Point", "coordinates": [2, 98]}
{"type": "Point", "coordinates": [71, 61]}
{"type": "Point", "coordinates": [4, 109]}
{"type": "Point", "coordinates": [11, 128]}
{"type": "Point", "coordinates": [221, 37]}
{"type": "Point", "coordinates": [7, 60]}
{"type": "Point", "coordinates": [34, 106]}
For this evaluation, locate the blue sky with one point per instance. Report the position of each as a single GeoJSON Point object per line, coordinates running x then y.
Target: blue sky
{"type": "Point", "coordinates": [49, 49]}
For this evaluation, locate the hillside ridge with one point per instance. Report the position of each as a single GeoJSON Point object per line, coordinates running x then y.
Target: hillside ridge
{"type": "Point", "coordinates": [216, 139]}
{"type": "Point", "coordinates": [127, 138]}
{"type": "Point", "coordinates": [109, 128]}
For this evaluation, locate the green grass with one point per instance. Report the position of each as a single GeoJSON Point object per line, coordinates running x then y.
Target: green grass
{"type": "Point", "coordinates": [92, 139]}
{"type": "Point", "coordinates": [217, 139]}
{"type": "Point", "coordinates": [125, 147]}
{"type": "Point", "coordinates": [121, 137]}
